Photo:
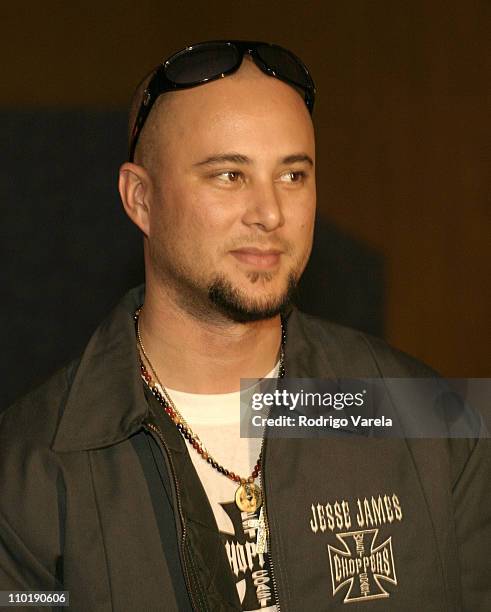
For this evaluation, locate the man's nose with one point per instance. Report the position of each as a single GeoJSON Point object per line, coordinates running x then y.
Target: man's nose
{"type": "Point", "coordinates": [264, 207]}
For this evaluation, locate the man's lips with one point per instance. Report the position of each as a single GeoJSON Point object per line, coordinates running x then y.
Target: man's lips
{"type": "Point", "coordinates": [260, 258]}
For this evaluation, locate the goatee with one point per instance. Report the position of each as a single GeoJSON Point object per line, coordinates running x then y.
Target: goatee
{"type": "Point", "coordinates": [229, 301]}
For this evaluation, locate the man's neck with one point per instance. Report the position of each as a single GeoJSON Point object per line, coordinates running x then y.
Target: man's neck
{"type": "Point", "coordinates": [201, 355]}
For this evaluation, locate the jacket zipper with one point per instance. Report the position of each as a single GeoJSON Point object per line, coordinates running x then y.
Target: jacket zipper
{"type": "Point", "coordinates": [156, 430]}
{"type": "Point", "coordinates": [266, 524]}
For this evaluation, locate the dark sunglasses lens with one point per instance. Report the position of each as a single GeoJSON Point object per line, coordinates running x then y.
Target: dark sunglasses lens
{"type": "Point", "coordinates": [200, 63]}
{"type": "Point", "coordinates": [284, 64]}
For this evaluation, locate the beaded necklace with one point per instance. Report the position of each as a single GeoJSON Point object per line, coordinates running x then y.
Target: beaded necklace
{"type": "Point", "coordinates": [248, 495]}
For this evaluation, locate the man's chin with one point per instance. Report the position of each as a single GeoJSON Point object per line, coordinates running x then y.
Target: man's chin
{"type": "Point", "coordinates": [236, 306]}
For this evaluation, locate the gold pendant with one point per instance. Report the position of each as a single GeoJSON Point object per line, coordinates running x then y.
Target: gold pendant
{"type": "Point", "coordinates": [248, 497]}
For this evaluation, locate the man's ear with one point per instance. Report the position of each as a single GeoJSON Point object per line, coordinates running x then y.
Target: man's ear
{"type": "Point", "coordinates": [135, 188]}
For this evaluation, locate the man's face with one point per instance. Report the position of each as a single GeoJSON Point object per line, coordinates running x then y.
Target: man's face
{"type": "Point", "coordinates": [233, 196]}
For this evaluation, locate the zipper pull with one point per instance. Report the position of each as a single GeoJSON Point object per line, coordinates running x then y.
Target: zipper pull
{"type": "Point", "coordinates": [262, 534]}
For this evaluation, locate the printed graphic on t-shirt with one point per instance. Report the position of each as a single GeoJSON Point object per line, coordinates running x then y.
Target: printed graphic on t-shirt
{"type": "Point", "coordinates": [251, 570]}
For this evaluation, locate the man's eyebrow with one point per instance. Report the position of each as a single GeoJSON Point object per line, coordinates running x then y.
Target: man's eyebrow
{"type": "Point", "coordinates": [238, 158]}
{"type": "Point", "coordinates": [297, 157]}
{"type": "Point", "coordinates": [233, 158]}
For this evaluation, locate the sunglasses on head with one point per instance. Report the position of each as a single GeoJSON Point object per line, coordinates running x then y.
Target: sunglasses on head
{"type": "Point", "coordinates": [208, 61]}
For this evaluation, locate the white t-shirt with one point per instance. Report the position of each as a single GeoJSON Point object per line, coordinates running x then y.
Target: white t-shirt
{"type": "Point", "coordinates": [216, 420]}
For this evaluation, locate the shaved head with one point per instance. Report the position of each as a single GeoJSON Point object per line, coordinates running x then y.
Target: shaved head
{"type": "Point", "coordinates": [152, 135]}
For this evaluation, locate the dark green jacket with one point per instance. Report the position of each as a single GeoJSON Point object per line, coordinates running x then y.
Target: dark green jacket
{"type": "Point", "coordinates": [99, 495]}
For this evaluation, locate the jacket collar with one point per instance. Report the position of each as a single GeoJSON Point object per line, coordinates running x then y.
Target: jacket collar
{"type": "Point", "coordinates": [106, 401]}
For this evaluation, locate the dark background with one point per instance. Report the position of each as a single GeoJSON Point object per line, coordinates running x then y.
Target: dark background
{"type": "Point", "coordinates": [403, 127]}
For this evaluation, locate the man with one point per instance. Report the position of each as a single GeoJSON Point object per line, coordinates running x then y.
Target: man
{"type": "Point", "coordinates": [124, 478]}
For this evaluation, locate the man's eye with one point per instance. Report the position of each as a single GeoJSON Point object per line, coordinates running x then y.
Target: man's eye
{"type": "Point", "coordinates": [230, 176]}
{"type": "Point", "coordinates": [293, 176]}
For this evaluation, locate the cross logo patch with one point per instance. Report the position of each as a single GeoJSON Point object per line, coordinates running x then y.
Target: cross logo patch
{"type": "Point", "coordinates": [362, 565]}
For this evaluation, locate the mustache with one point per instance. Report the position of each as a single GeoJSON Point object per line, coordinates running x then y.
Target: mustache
{"type": "Point", "coordinates": [261, 242]}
